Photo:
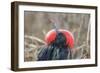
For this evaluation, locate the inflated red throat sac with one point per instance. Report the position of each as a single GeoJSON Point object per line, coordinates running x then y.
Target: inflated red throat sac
{"type": "Point", "coordinates": [52, 34]}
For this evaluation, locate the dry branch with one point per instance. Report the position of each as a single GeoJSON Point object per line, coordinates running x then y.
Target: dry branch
{"type": "Point", "coordinates": [88, 32]}
{"type": "Point", "coordinates": [30, 45]}
{"type": "Point", "coordinates": [81, 46]}
{"type": "Point", "coordinates": [34, 38]}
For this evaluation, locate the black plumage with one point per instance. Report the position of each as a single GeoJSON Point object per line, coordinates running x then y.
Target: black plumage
{"type": "Point", "coordinates": [56, 50]}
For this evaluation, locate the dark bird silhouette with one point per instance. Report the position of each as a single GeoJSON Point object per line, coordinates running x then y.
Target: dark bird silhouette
{"type": "Point", "coordinates": [58, 45]}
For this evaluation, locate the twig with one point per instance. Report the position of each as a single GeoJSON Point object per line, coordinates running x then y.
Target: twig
{"type": "Point", "coordinates": [80, 46]}
{"type": "Point", "coordinates": [34, 38]}
{"type": "Point", "coordinates": [88, 32]}
{"type": "Point", "coordinates": [31, 45]}
{"type": "Point", "coordinates": [44, 32]}
{"type": "Point", "coordinates": [79, 30]}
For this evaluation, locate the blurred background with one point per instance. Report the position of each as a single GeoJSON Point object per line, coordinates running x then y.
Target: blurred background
{"type": "Point", "coordinates": [37, 24]}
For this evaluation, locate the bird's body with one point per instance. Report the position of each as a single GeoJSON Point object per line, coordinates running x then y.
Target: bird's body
{"type": "Point", "coordinates": [58, 45]}
{"type": "Point", "coordinates": [53, 53]}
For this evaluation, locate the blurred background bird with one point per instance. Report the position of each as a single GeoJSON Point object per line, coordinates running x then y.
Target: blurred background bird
{"type": "Point", "coordinates": [59, 43]}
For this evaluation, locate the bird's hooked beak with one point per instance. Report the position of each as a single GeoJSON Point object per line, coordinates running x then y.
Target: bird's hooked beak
{"type": "Point", "coordinates": [56, 27]}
